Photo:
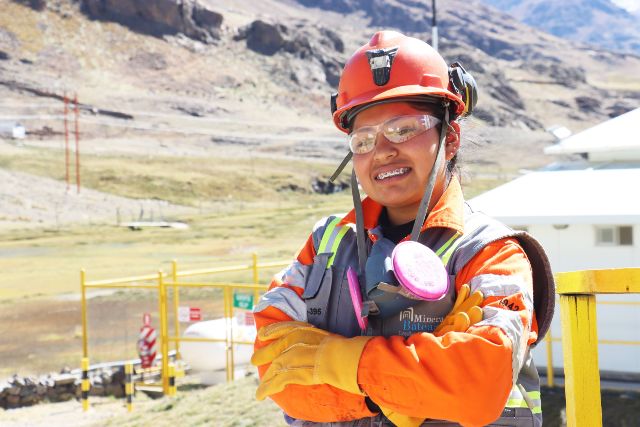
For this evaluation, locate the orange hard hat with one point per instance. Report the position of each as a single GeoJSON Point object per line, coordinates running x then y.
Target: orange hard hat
{"type": "Point", "coordinates": [389, 68]}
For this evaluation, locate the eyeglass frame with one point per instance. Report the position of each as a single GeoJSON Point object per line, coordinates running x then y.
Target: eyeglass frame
{"type": "Point", "coordinates": [429, 122]}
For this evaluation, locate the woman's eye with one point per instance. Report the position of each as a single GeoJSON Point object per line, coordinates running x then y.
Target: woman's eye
{"type": "Point", "coordinates": [401, 134]}
{"type": "Point", "coordinates": [406, 130]}
{"type": "Point", "coordinates": [363, 143]}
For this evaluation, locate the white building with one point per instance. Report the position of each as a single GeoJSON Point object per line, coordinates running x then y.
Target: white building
{"type": "Point", "coordinates": [587, 216]}
{"type": "Point", "coordinates": [12, 130]}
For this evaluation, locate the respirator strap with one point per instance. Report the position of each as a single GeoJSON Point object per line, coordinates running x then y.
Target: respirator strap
{"type": "Point", "coordinates": [426, 198]}
{"type": "Point", "coordinates": [360, 236]}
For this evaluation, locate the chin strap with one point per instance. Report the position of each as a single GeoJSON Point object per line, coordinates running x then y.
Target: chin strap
{"type": "Point", "coordinates": [423, 210]}
{"type": "Point", "coordinates": [360, 237]}
{"type": "Point", "coordinates": [342, 165]}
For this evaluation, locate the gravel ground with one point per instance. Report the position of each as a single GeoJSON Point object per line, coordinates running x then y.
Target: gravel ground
{"type": "Point", "coordinates": [68, 414]}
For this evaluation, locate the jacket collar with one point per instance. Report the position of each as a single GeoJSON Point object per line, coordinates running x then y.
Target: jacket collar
{"type": "Point", "coordinates": [447, 213]}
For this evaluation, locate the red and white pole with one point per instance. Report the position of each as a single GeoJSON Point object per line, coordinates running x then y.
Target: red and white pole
{"type": "Point", "coordinates": [75, 100]}
{"type": "Point", "coordinates": [66, 139]}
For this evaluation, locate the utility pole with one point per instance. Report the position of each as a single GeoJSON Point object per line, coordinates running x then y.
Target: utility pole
{"type": "Point", "coordinates": [75, 100]}
{"type": "Point", "coordinates": [66, 139]}
{"type": "Point", "coordinates": [434, 26]}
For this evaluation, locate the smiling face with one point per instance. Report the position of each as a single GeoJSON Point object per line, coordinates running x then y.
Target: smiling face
{"type": "Point", "coordinates": [395, 175]}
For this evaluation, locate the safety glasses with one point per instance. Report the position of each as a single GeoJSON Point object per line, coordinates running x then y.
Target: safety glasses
{"type": "Point", "coordinates": [397, 130]}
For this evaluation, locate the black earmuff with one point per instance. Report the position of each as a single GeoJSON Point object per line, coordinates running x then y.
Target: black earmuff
{"type": "Point", "coordinates": [334, 102]}
{"type": "Point", "coordinates": [464, 85]}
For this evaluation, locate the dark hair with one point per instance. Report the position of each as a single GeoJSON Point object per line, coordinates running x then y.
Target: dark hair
{"type": "Point", "coordinates": [453, 167]}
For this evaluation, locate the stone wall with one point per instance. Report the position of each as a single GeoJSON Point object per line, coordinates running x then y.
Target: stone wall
{"type": "Point", "coordinates": [19, 391]}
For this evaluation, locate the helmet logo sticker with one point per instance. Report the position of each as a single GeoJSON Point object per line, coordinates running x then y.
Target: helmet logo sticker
{"type": "Point", "coordinates": [380, 61]}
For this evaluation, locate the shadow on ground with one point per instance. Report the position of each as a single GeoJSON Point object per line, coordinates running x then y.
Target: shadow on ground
{"type": "Point", "coordinates": [619, 408]}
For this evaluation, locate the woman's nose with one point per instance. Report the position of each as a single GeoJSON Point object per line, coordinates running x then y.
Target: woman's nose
{"type": "Point", "coordinates": [384, 148]}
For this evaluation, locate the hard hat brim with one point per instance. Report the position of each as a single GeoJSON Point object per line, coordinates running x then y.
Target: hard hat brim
{"type": "Point", "coordinates": [402, 92]}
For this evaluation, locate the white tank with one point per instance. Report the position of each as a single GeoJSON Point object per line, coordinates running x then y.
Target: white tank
{"type": "Point", "coordinates": [208, 359]}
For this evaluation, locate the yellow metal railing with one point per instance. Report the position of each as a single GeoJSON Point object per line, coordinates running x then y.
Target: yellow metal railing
{"type": "Point", "coordinates": [577, 292]}
{"type": "Point", "coordinates": [550, 339]}
{"type": "Point", "coordinates": [161, 285]}
{"type": "Point", "coordinates": [227, 293]}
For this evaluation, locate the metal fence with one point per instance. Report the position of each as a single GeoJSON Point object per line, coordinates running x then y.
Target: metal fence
{"type": "Point", "coordinates": [161, 282]}
{"type": "Point", "coordinates": [577, 292]}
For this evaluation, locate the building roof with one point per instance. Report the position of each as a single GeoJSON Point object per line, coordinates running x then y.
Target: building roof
{"type": "Point", "coordinates": [617, 139]}
{"type": "Point", "coordinates": [587, 196]}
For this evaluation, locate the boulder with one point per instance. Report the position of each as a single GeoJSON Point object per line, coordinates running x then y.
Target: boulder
{"type": "Point", "coordinates": [34, 4]}
{"type": "Point", "coordinates": [265, 38]}
{"type": "Point", "coordinates": [63, 379]}
{"type": "Point", "coordinates": [322, 186]}
{"type": "Point", "coordinates": [587, 104]}
{"type": "Point", "coordinates": [620, 108]}
{"type": "Point", "coordinates": [159, 17]}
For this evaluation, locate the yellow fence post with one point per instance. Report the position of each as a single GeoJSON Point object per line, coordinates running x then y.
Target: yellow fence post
{"type": "Point", "coordinates": [128, 385]}
{"type": "Point", "coordinates": [164, 343]}
{"type": "Point", "coordinates": [85, 384]}
{"type": "Point", "coordinates": [581, 372]}
{"type": "Point", "coordinates": [256, 277]}
{"type": "Point", "coordinates": [232, 370]}
{"type": "Point", "coordinates": [83, 296]}
{"type": "Point", "coordinates": [176, 302]}
{"type": "Point", "coordinates": [227, 319]}
{"type": "Point", "coordinates": [172, 380]}
{"type": "Point", "coordinates": [549, 340]}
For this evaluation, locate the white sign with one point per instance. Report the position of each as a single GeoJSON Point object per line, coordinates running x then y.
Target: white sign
{"type": "Point", "coordinates": [189, 314]}
{"type": "Point", "coordinates": [183, 314]}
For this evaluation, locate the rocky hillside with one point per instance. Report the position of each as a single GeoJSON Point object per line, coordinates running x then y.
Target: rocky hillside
{"type": "Point", "coordinates": [250, 62]}
{"type": "Point", "coordinates": [599, 23]}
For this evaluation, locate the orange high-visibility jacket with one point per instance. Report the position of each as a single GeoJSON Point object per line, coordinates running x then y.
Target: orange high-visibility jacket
{"type": "Point", "coordinates": [466, 377]}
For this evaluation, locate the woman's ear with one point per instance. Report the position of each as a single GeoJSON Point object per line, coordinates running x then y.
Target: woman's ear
{"type": "Point", "coordinates": [452, 141]}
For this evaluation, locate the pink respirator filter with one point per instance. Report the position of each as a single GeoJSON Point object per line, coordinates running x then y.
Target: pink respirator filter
{"type": "Point", "coordinates": [356, 297]}
{"type": "Point", "coordinates": [419, 271]}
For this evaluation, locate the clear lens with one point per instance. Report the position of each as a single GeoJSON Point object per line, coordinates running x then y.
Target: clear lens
{"type": "Point", "coordinates": [397, 130]}
{"type": "Point", "coordinates": [363, 140]}
{"type": "Point", "coordinates": [401, 129]}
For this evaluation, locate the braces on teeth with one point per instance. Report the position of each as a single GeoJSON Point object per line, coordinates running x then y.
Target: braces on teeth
{"type": "Point", "coordinates": [395, 172]}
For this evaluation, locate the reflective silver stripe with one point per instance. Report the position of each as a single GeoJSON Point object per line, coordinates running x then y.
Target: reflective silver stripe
{"type": "Point", "coordinates": [509, 321]}
{"type": "Point", "coordinates": [501, 285]}
{"type": "Point", "coordinates": [295, 275]}
{"type": "Point", "coordinates": [285, 300]}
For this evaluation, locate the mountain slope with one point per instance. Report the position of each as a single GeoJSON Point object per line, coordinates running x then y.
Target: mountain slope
{"type": "Point", "coordinates": [597, 22]}
{"type": "Point", "coordinates": [282, 58]}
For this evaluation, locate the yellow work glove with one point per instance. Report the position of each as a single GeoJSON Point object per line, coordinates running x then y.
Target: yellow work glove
{"type": "Point", "coordinates": [305, 355]}
{"type": "Point", "coordinates": [400, 420]}
{"type": "Point", "coordinates": [466, 312]}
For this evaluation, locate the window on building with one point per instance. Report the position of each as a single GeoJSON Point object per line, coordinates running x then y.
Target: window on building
{"type": "Point", "coordinates": [621, 235]}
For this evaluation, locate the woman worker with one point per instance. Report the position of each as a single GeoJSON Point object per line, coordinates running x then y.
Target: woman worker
{"type": "Point", "coordinates": [357, 332]}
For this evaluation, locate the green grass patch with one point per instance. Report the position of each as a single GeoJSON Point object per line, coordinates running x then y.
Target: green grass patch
{"type": "Point", "coordinates": [180, 180]}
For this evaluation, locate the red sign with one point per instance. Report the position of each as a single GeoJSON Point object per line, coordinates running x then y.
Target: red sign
{"type": "Point", "coordinates": [194, 314]}
{"type": "Point", "coordinates": [248, 318]}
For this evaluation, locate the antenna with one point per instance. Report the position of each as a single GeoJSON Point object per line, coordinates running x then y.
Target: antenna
{"type": "Point", "coordinates": [434, 26]}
